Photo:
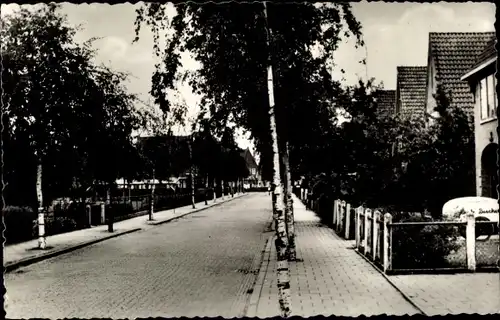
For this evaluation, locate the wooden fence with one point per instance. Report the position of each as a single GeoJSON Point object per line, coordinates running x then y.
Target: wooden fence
{"type": "Point", "coordinates": [417, 246]}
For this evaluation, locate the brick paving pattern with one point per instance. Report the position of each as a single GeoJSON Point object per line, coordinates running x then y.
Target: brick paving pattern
{"type": "Point", "coordinates": [199, 265]}
{"type": "Point", "coordinates": [331, 277]}
{"type": "Point", "coordinates": [24, 250]}
{"type": "Point", "coordinates": [452, 294]}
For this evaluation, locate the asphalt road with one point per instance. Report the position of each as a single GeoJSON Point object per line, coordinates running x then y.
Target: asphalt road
{"type": "Point", "coordinates": [200, 265]}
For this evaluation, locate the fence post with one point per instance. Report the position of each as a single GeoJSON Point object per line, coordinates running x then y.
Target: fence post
{"type": "Point", "coordinates": [89, 214]}
{"type": "Point", "coordinates": [339, 216]}
{"type": "Point", "coordinates": [347, 221]}
{"type": "Point", "coordinates": [387, 242]}
{"type": "Point", "coordinates": [151, 207]}
{"type": "Point", "coordinates": [376, 217]}
{"type": "Point", "coordinates": [103, 213]}
{"type": "Point", "coordinates": [357, 224]}
{"type": "Point", "coordinates": [368, 213]}
{"type": "Point", "coordinates": [335, 208]}
{"type": "Point", "coordinates": [470, 239]}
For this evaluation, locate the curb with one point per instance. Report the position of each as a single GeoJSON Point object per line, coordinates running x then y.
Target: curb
{"type": "Point", "coordinates": [251, 311]}
{"type": "Point", "coordinates": [27, 261]}
{"type": "Point", "coordinates": [9, 267]}
{"type": "Point", "coordinates": [196, 210]}
{"type": "Point", "coordinates": [414, 304]}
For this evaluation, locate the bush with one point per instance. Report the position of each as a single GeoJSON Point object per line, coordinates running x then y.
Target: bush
{"type": "Point", "coordinates": [59, 225]}
{"type": "Point", "coordinates": [19, 223]}
{"type": "Point", "coordinates": [423, 246]}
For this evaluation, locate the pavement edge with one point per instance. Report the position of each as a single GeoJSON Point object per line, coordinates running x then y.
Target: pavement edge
{"type": "Point", "coordinates": [9, 267]}
{"type": "Point", "coordinates": [31, 260]}
{"type": "Point", "coordinates": [251, 311]}
{"type": "Point", "coordinates": [405, 296]}
{"type": "Point", "coordinates": [156, 223]}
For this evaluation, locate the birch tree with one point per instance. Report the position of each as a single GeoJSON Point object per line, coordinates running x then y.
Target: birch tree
{"type": "Point", "coordinates": [230, 42]}
{"type": "Point", "coordinates": [57, 102]}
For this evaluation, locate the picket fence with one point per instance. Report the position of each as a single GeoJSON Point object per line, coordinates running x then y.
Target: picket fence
{"type": "Point", "coordinates": [379, 239]}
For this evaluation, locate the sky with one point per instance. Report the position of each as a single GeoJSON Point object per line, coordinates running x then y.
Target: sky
{"type": "Point", "coordinates": [395, 34]}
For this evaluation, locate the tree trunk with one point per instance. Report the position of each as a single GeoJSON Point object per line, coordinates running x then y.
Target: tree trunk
{"type": "Point", "coordinates": [206, 190]}
{"type": "Point", "coordinates": [192, 175]}
{"type": "Point", "coordinates": [215, 189]}
{"type": "Point", "coordinates": [129, 188]}
{"type": "Point", "coordinates": [292, 254]}
{"type": "Point", "coordinates": [42, 244]}
{"type": "Point", "coordinates": [281, 241]}
{"type": "Point", "coordinates": [222, 188]}
{"type": "Point", "coordinates": [152, 201]}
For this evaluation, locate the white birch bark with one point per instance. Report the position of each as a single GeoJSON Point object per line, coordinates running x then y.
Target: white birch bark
{"type": "Point", "coordinates": [292, 253]}
{"type": "Point", "coordinates": [281, 241]}
{"type": "Point", "coordinates": [215, 190]}
{"type": "Point", "coordinates": [206, 190]}
{"type": "Point", "coordinates": [42, 244]}
{"type": "Point", "coordinates": [152, 202]}
{"type": "Point", "coordinates": [192, 175]}
{"type": "Point", "coordinates": [222, 188]}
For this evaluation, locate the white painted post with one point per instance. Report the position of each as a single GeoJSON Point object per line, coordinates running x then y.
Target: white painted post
{"type": "Point", "coordinates": [89, 214]}
{"type": "Point", "coordinates": [387, 260]}
{"type": "Point", "coordinates": [222, 184]}
{"type": "Point", "coordinates": [341, 217]}
{"type": "Point", "coordinates": [376, 216]}
{"type": "Point", "coordinates": [470, 240]}
{"type": "Point", "coordinates": [357, 231]}
{"type": "Point", "coordinates": [368, 213]}
{"type": "Point", "coordinates": [335, 209]}
{"type": "Point", "coordinates": [103, 213]}
{"type": "Point", "coordinates": [347, 221]}
{"type": "Point", "coordinates": [42, 244]}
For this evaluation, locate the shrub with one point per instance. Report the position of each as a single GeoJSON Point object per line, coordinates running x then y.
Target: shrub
{"type": "Point", "coordinates": [59, 225]}
{"type": "Point", "coordinates": [18, 223]}
{"type": "Point", "coordinates": [423, 246]}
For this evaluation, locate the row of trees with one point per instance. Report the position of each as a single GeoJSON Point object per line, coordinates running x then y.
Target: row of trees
{"type": "Point", "coordinates": [398, 164]}
{"type": "Point", "coordinates": [260, 72]}
{"type": "Point", "coordinates": [266, 68]}
{"type": "Point", "coordinates": [68, 122]}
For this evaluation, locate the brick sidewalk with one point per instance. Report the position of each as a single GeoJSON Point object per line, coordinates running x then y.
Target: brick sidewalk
{"type": "Point", "coordinates": [26, 251]}
{"type": "Point", "coordinates": [329, 278]}
{"type": "Point", "coordinates": [454, 294]}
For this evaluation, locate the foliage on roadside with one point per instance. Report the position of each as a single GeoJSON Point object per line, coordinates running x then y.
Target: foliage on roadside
{"type": "Point", "coordinates": [398, 164]}
{"type": "Point", "coordinates": [420, 247]}
{"type": "Point", "coordinates": [60, 108]}
{"type": "Point", "coordinates": [229, 41]}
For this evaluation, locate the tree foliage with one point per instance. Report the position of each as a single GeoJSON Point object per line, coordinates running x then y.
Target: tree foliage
{"type": "Point", "coordinates": [401, 164]}
{"type": "Point", "coordinates": [229, 41]}
{"type": "Point", "coordinates": [61, 108]}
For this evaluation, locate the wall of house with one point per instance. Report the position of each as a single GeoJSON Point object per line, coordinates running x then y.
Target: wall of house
{"type": "Point", "coordinates": [482, 136]}
{"type": "Point", "coordinates": [431, 86]}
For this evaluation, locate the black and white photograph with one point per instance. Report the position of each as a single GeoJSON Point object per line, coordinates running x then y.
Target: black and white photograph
{"type": "Point", "coordinates": [249, 159]}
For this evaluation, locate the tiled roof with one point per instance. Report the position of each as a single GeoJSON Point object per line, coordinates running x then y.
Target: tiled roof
{"type": "Point", "coordinates": [488, 53]}
{"type": "Point", "coordinates": [386, 102]}
{"type": "Point", "coordinates": [454, 54]}
{"type": "Point", "coordinates": [412, 89]}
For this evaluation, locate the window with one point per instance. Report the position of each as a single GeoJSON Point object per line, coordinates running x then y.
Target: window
{"type": "Point", "coordinates": [488, 97]}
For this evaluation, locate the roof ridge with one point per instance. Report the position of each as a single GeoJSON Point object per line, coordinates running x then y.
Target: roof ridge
{"type": "Point", "coordinates": [474, 32]}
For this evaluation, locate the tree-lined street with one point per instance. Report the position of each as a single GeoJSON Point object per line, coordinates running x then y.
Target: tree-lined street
{"type": "Point", "coordinates": [200, 265]}
{"type": "Point", "coordinates": [84, 150]}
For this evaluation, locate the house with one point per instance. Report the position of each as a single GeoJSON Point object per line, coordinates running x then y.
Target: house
{"type": "Point", "coordinates": [254, 179]}
{"type": "Point", "coordinates": [386, 102]}
{"type": "Point", "coordinates": [480, 77]}
{"type": "Point", "coordinates": [450, 56]}
{"type": "Point", "coordinates": [410, 91]}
